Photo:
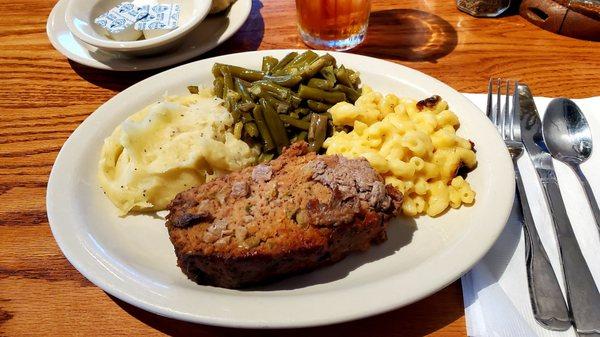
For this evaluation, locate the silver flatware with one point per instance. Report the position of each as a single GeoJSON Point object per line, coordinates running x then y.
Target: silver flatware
{"type": "Point", "coordinates": [547, 302]}
{"type": "Point", "coordinates": [583, 297]}
{"type": "Point", "coordinates": [569, 139]}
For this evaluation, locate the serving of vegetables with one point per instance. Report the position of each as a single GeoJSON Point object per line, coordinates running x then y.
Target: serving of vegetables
{"type": "Point", "coordinates": [287, 100]}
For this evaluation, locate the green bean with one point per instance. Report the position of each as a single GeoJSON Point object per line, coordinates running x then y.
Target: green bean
{"type": "Point", "coordinates": [280, 106]}
{"type": "Point", "coordinates": [301, 136]}
{"type": "Point", "coordinates": [354, 78]}
{"type": "Point", "coordinates": [243, 73]}
{"type": "Point", "coordinates": [245, 83]}
{"type": "Point", "coordinates": [246, 117]}
{"type": "Point", "coordinates": [342, 76]}
{"type": "Point", "coordinates": [263, 130]}
{"type": "Point", "coordinates": [235, 113]}
{"type": "Point", "coordinates": [321, 95]}
{"type": "Point", "coordinates": [216, 70]}
{"type": "Point", "coordinates": [284, 61]}
{"type": "Point", "coordinates": [237, 130]}
{"type": "Point", "coordinates": [245, 106]}
{"type": "Point", "coordinates": [227, 78]}
{"type": "Point", "coordinates": [265, 157]}
{"type": "Point", "coordinates": [218, 87]}
{"type": "Point", "coordinates": [316, 66]}
{"type": "Point", "coordinates": [317, 106]}
{"type": "Point", "coordinates": [295, 101]}
{"type": "Point", "coordinates": [307, 56]}
{"type": "Point", "coordinates": [242, 90]}
{"type": "Point", "coordinates": [251, 129]}
{"type": "Point", "coordinates": [225, 92]}
{"type": "Point", "coordinates": [307, 117]}
{"type": "Point", "coordinates": [351, 94]}
{"type": "Point", "coordinates": [268, 63]}
{"type": "Point", "coordinates": [303, 111]}
{"type": "Point", "coordinates": [193, 89]}
{"type": "Point", "coordinates": [328, 74]}
{"type": "Point", "coordinates": [231, 100]}
{"type": "Point", "coordinates": [295, 115]}
{"type": "Point", "coordinates": [317, 132]}
{"type": "Point", "coordinates": [300, 124]}
{"type": "Point", "coordinates": [320, 83]}
{"type": "Point", "coordinates": [284, 80]}
{"type": "Point", "coordinates": [281, 93]}
{"type": "Point", "coordinates": [298, 63]}
{"type": "Point", "coordinates": [275, 126]}
{"type": "Point", "coordinates": [296, 60]}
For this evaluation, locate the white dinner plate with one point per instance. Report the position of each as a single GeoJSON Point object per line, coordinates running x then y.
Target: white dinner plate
{"type": "Point", "coordinates": [133, 259]}
{"type": "Point", "coordinates": [210, 33]}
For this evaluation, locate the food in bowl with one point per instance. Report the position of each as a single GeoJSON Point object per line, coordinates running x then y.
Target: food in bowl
{"type": "Point", "coordinates": [291, 215]}
{"type": "Point", "coordinates": [168, 147]}
{"type": "Point", "coordinates": [413, 144]}
{"type": "Point", "coordinates": [130, 21]}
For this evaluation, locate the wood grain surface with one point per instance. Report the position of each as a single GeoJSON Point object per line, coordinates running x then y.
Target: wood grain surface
{"type": "Point", "coordinates": [43, 97]}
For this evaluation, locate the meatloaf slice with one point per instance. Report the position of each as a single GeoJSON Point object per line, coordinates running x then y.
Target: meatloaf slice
{"type": "Point", "coordinates": [294, 214]}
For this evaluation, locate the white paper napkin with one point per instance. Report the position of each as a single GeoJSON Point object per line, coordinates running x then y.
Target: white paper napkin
{"type": "Point", "coordinates": [495, 291]}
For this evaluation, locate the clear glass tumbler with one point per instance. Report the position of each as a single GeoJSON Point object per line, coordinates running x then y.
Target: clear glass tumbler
{"type": "Point", "coordinates": [333, 24]}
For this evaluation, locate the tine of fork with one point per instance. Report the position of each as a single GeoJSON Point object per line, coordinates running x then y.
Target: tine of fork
{"type": "Point", "coordinates": [516, 122]}
{"type": "Point", "coordinates": [488, 110]}
{"type": "Point", "coordinates": [511, 112]}
{"type": "Point", "coordinates": [498, 105]}
{"type": "Point", "coordinates": [505, 117]}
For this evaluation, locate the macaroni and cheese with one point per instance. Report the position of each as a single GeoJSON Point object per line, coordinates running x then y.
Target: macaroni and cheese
{"type": "Point", "coordinates": [414, 146]}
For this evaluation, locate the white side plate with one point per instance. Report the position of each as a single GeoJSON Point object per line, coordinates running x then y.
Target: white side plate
{"type": "Point", "coordinates": [210, 33]}
{"type": "Point", "coordinates": [133, 259]}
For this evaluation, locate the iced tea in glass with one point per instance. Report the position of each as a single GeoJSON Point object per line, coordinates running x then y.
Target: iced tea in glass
{"type": "Point", "coordinates": [333, 24]}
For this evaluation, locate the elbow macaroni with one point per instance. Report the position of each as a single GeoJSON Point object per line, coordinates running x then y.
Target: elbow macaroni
{"type": "Point", "coordinates": [417, 151]}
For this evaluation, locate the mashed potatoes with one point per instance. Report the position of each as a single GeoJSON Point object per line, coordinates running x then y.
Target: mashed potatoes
{"type": "Point", "coordinates": [168, 147]}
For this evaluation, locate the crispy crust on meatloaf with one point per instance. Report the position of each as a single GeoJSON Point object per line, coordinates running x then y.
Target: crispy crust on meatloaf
{"type": "Point", "coordinates": [294, 214]}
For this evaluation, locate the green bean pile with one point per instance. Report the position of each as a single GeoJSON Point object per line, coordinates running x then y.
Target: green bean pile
{"type": "Point", "coordinates": [287, 100]}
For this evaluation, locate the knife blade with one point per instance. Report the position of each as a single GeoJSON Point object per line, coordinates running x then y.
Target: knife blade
{"type": "Point", "coordinates": [582, 294]}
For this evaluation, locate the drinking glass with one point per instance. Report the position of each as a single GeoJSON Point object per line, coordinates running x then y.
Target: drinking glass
{"type": "Point", "coordinates": [333, 24]}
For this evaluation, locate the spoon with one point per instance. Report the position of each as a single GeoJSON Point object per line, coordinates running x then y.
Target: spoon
{"type": "Point", "coordinates": [569, 139]}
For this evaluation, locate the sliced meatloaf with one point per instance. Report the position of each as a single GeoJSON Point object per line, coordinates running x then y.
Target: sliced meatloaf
{"type": "Point", "coordinates": [293, 214]}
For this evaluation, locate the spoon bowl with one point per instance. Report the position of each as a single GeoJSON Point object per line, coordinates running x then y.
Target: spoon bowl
{"type": "Point", "coordinates": [568, 137]}
{"type": "Point", "coordinates": [566, 132]}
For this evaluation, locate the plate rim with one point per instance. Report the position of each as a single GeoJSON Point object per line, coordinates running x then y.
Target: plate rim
{"type": "Point", "coordinates": [467, 263]}
{"type": "Point", "coordinates": [159, 61]}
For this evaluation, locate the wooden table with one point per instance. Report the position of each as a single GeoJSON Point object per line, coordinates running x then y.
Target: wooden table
{"type": "Point", "coordinates": [44, 97]}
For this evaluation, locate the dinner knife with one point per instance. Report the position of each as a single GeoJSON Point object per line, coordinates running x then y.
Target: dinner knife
{"type": "Point", "coordinates": [583, 297]}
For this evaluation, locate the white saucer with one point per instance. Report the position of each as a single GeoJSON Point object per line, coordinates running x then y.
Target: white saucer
{"type": "Point", "coordinates": [213, 31]}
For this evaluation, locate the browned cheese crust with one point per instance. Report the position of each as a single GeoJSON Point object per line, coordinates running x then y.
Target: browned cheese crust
{"type": "Point", "coordinates": [294, 214]}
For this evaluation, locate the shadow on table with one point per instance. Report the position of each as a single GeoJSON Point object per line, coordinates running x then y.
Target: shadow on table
{"type": "Point", "coordinates": [408, 35]}
{"type": "Point", "coordinates": [111, 80]}
{"type": "Point", "coordinates": [247, 38]}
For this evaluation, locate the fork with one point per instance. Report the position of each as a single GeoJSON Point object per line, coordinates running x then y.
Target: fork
{"type": "Point", "coordinates": [547, 302]}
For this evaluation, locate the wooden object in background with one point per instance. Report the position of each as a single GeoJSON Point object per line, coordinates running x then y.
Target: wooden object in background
{"type": "Point", "coordinates": [579, 19]}
{"type": "Point", "coordinates": [44, 97]}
